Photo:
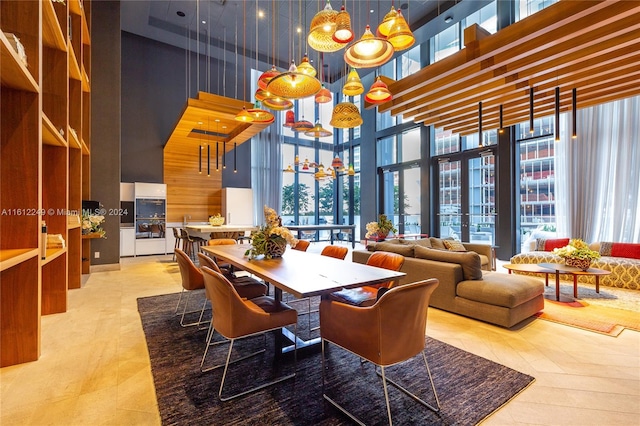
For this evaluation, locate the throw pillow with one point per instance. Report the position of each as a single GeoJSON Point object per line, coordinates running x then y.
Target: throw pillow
{"type": "Point", "coordinates": [454, 245]}
{"type": "Point", "coordinates": [469, 261]}
{"type": "Point", "coordinates": [403, 249]}
{"type": "Point", "coordinates": [547, 244]}
{"type": "Point", "coordinates": [438, 243]}
{"type": "Point", "coordinates": [423, 242]}
{"type": "Point", "coordinates": [628, 250]}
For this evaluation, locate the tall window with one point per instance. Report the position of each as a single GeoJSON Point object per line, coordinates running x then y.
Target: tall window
{"type": "Point", "coordinates": [526, 8]}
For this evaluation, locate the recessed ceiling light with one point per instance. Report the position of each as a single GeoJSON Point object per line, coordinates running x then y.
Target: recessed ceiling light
{"type": "Point", "coordinates": [261, 14]}
{"type": "Point", "coordinates": [180, 14]}
{"type": "Point", "coordinates": [204, 22]}
{"type": "Point", "coordinates": [448, 20]}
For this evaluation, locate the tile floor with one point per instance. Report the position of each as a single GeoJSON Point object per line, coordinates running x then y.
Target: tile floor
{"type": "Point", "coordinates": [94, 368]}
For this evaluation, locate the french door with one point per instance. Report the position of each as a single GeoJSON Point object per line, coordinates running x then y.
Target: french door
{"type": "Point", "coordinates": [466, 206]}
{"type": "Point", "coordinates": [400, 197]}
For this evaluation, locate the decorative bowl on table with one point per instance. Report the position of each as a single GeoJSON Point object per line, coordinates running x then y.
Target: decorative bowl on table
{"type": "Point", "coordinates": [216, 220]}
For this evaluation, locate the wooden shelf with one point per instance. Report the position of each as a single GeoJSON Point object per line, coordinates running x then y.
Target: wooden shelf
{"type": "Point", "coordinates": [14, 72]}
{"type": "Point", "coordinates": [73, 225]}
{"type": "Point", "coordinates": [52, 34]}
{"type": "Point", "coordinates": [52, 254]}
{"type": "Point", "coordinates": [73, 140]}
{"type": "Point", "coordinates": [74, 68]}
{"type": "Point", "coordinates": [50, 135]}
{"type": "Point", "coordinates": [86, 87]}
{"type": "Point", "coordinates": [85, 149]}
{"type": "Point", "coordinates": [12, 257]}
{"type": "Point", "coordinates": [91, 236]}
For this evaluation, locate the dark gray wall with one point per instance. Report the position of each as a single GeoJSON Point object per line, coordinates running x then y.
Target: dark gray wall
{"type": "Point", "coordinates": [105, 124]}
{"type": "Point", "coordinates": [154, 94]}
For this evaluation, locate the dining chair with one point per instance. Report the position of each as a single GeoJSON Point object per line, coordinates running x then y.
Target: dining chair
{"type": "Point", "coordinates": [246, 287]}
{"type": "Point", "coordinates": [302, 245]}
{"type": "Point", "coordinates": [385, 334]}
{"type": "Point", "coordinates": [237, 318]}
{"type": "Point", "coordinates": [191, 280]}
{"type": "Point", "coordinates": [367, 295]}
{"type": "Point", "coordinates": [338, 252]}
{"type": "Point", "coordinates": [222, 242]}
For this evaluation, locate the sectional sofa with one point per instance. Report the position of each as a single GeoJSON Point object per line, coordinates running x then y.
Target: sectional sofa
{"type": "Point", "coordinates": [465, 287]}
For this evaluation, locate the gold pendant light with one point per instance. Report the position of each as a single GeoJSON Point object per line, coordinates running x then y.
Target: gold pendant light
{"type": "Point", "coordinates": [318, 131]}
{"type": "Point", "coordinates": [294, 84]}
{"type": "Point", "coordinates": [305, 67]}
{"type": "Point", "coordinates": [322, 28]}
{"type": "Point", "coordinates": [244, 116]}
{"type": "Point", "coordinates": [400, 35]}
{"type": "Point", "coordinates": [289, 169]}
{"type": "Point", "coordinates": [379, 93]}
{"type": "Point", "coordinates": [261, 116]}
{"type": "Point", "coordinates": [351, 171]}
{"type": "Point", "coordinates": [344, 33]}
{"type": "Point", "coordinates": [353, 86]}
{"type": "Point", "coordinates": [387, 22]}
{"type": "Point", "coordinates": [267, 76]}
{"type": "Point", "coordinates": [276, 103]}
{"type": "Point", "coordinates": [369, 51]}
{"type": "Point", "coordinates": [345, 116]}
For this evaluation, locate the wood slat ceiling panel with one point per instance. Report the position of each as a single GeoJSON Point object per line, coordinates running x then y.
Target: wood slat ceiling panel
{"type": "Point", "coordinates": [591, 46]}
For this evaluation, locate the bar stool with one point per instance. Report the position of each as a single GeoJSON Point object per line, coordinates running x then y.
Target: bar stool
{"type": "Point", "coordinates": [191, 244]}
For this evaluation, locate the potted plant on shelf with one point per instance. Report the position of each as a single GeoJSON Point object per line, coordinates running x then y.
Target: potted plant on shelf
{"type": "Point", "coordinates": [92, 224]}
{"type": "Point", "coordinates": [577, 254]}
{"type": "Point", "coordinates": [381, 228]}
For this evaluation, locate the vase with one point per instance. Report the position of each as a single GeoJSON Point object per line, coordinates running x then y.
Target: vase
{"type": "Point", "coordinates": [276, 248]}
{"type": "Point", "coordinates": [583, 264]}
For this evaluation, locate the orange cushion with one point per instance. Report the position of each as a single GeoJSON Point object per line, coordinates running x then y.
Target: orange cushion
{"type": "Point", "coordinates": [628, 250]}
{"type": "Point", "coordinates": [543, 244]}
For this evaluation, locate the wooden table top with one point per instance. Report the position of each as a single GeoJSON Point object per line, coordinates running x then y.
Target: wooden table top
{"type": "Point", "coordinates": [304, 274]}
{"type": "Point", "coordinates": [561, 267]}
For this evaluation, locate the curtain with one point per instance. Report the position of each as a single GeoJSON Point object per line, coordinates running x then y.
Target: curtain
{"type": "Point", "coordinates": [266, 169]}
{"type": "Point", "coordinates": [598, 174]}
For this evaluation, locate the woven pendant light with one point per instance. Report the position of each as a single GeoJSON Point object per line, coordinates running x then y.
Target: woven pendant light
{"type": "Point", "coordinates": [337, 163]}
{"type": "Point", "coordinates": [277, 104]}
{"type": "Point", "coordinates": [344, 33]}
{"type": "Point", "coordinates": [261, 95]}
{"type": "Point", "coordinates": [353, 86]}
{"type": "Point", "coordinates": [302, 126]}
{"type": "Point", "coordinates": [318, 131]}
{"type": "Point", "coordinates": [305, 67]}
{"type": "Point", "coordinates": [322, 27]}
{"type": "Point", "coordinates": [351, 171]}
{"type": "Point", "coordinates": [387, 22]}
{"type": "Point", "coordinates": [290, 119]}
{"type": "Point", "coordinates": [289, 169]}
{"type": "Point", "coordinates": [369, 51]}
{"type": "Point", "coordinates": [379, 93]}
{"type": "Point", "coordinates": [261, 116]}
{"type": "Point", "coordinates": [345, 116]}
{"type": "Point", "coordinates": [293, 84]}
{"type": "Point", "coordinates": [267, 76]}
{"type": "Point", "coordinates": [400, 35]}
{"type": "Point", "coordinates": [244, 116]}
{"type": "Point", "coordinates": [323, 96]}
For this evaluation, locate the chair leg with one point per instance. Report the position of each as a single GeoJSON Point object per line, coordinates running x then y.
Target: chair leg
{"type": "Point", "coordinates": [184, 312]}
{"type": "Point", "coordinates": [386, 396]}
{"type": "Point", "coordinates": [179, 300]}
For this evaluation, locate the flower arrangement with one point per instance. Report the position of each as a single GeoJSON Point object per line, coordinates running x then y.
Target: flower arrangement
{"type": "Point", "coordinates": [382, 227]}
{"type": "Point", "coordinates": [577, 249]}
{"type": "Point", "coordinates": [216, 220]}
{"type": "Point", "coordinates": [272, 238]}
{"type": "Point", "coordinates": [92, 223]}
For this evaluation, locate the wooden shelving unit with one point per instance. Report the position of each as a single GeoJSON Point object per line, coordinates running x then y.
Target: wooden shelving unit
{"type": "Point", "coordinates": [44, 164]}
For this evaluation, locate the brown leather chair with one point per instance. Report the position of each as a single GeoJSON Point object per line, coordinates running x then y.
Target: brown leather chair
{"type": "Point", "coordinates": [225, 267]}
{"type": "Point", "coordinates": [246, 287]}
{"type": "Point", "coordinates": [302, 245]}
{"type": "Point", "coordinates": [387, 333]}
{"type": "Point", "coordinates": [367, 295]}
{"type": "Point", "coordinates": [191, 280]}
{"type": "Point", "coordinates": [191, 244]}
{"type": "Point", "coordinates": [236, 318]}
{"type": "Point", "coordinates": [338, 252]}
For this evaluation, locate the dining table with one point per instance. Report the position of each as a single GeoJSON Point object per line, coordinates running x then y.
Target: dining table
{"type": "Point", "coordinates": [303, 274]}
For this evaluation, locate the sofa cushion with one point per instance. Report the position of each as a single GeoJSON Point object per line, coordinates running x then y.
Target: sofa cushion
{"type": "Point", "coordinates": [453, 245]}
{"type": "Point", "coordinates": [469, 261]}
{"type": "Point", "coordinates": [548, 244]}
{"type": "Point", "coordinates": [404, 249]}
{"type": "Point", "coordinates": [372, 246]}
{"type": "Point", "coordinates": [423, 242]}
{"type": "Point", "coordinates": [501, 289]}
{"type": "Point", "coordinates": [628, 250]}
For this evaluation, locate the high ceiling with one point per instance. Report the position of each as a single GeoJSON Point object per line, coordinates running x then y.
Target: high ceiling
{"type": "Point", "coordinates": [170, 21]}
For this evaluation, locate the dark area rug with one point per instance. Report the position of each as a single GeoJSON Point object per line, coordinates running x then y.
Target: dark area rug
{"type": "Point", "coordinates": [469, 387]}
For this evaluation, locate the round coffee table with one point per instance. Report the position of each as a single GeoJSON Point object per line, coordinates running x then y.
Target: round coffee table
{"type": "Point", "coordinates": [560, 268]}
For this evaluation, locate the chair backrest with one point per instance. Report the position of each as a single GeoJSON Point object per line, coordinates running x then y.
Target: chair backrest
{"type": "Point", "coordinates": [230, 315]}
{"type": "Point", "coordinates": [191, 275]}
{"type": "Point", "coordinates": [176, 233]}
{"type": "Point", "coordinates": [388, 332]}
{"type": "Point", "coordinates": [185, 235]}
{"type": "Point", "coordinates": [221, 242]}
{"type": "Point", "coordinates": [338, 252]}
{"type": "Point", "coordinates": [302, 245]}
{"type": "Point", "coordinates": [386, 260]}
{"type": "Point", "coordinates": [208, 262]}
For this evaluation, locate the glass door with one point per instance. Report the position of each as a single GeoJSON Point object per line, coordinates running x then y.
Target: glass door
{"type": "Point", "coordinates": [401, 198]}
{"type": "Point", "coordinates": [466, 197]}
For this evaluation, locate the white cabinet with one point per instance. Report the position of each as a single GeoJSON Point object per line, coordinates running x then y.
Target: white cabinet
{"type": "Point", "coordinates": [127, 242]}
{"type": "Point", "coordinates": [237, 206]}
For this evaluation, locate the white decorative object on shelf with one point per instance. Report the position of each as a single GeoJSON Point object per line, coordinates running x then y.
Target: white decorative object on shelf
{"type": "Point", "coordinates": [14, 41]}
